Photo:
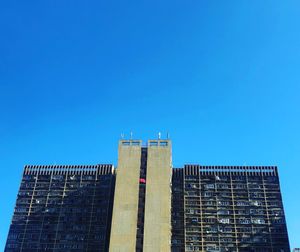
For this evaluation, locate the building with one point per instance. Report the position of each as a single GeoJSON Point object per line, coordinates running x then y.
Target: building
{"type": "Point", "coordinates": [63, 208]}
{"type": "Point", "coordinates": [146, 205]}
{"type": "Point", "coordinates": [227, 208]}
{"type": "Point", "coordinates": [142, 204]}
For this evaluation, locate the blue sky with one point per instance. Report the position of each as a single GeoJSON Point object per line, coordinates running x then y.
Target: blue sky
{"type": "Point", "coordinates": [221, 76]}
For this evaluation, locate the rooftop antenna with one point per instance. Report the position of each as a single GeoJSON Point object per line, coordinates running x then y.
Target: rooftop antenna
{"type": "Point", "coordinates": [122, 135]}
{"type": "Point", "coordinates": [159, 135]}
{"type": "Point", "coordinates": [131, 135]}
{"type": "Point", "coordinates": [168, 135]}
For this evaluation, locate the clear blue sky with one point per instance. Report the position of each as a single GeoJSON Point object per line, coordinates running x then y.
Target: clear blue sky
{"type": "Point", "coordinates": [223, 77]}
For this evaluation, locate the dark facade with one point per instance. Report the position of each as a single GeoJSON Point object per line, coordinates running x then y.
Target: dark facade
{"type": "Point", "coordinates": [141, 202]}
{"type": "Point", "coordinates": [63, 208]}
{"type": "Point", "coordinates": [221, 208]}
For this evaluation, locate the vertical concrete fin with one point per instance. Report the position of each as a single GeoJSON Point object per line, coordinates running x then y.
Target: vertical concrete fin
{"type": "Point", "coordinates": [124, 219]}
{"type": "Point", "coordinates": [157, 225]}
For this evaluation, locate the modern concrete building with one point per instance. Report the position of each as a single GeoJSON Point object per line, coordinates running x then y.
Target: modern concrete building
{"type": "Point", "coordinates": [145, 205]}
{"type": "Point", "coordinates": [142, 204]}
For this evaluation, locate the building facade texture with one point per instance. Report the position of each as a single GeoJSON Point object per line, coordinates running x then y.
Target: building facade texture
{"type": "Point", "coordinates": [146, 205]}
{"type": "Point", "coordinates": [63, 208]}
{"type": "Point", "coordinates": [227, 208]}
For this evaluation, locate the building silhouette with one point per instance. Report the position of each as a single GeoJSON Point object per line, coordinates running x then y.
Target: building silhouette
{"type": "Point", "coordinates": [146, 205]}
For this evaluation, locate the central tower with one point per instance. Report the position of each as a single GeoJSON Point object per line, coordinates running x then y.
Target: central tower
{"type": "Point", "coordinates": [142, 204]}
{"type": "Point", "coordinates": [157, 233]}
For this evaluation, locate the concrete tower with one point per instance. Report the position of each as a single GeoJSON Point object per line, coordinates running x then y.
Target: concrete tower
{"type": "Point", "coordinates": [157, 234]}
{"type": "Point", "coordinates": [124, 220]}
{"type": "Point", "coordinates": [142, 205]}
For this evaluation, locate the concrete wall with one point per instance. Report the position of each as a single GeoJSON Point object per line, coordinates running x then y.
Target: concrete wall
{"type": "Point", "coordinates": [157, 225]}
{"type": "Point", "coordinates": [124, 220]}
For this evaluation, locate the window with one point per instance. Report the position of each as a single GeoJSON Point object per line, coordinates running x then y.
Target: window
{"type": "Point", "coordinates": [242, 203]}
{"type": "Point", "coordinates": [212, 230]}
{"type": "Point", "coordinates": [57, 177]}
{"type": "Point", "coordinates": [223, 186]}
{"type": "Point", "coordinates": [153, 143]}
{"type": "Point", "coordinates": [256, 203]}
{"type": "Point", "coordinates": [224, 220]}
{"type": "Point", "coordinates": [258, 221]}
{"type": "Point", "coordinates": [21, 209]}
{"type": "Point", "coordinates": [209, 203]}
{"type": "Point", "coordinates": [208, 194]}
{"type": "Point", "coordinates": [29, 177]}
{"type": "Point", "coordinates": [12, 245]}
{"type": "Point", "coordinates": [163, 143]}
{"type": "Point", "coordinates": [223, 212]}
{"type": "Point", "coordinates": [210, 186]}
{"type": "Point", "coordinates": [256, 211]}
{"type": "Point", "coordinates": [240, 186]}
{"type": "Point", "coordinates": [223, 203]}
{"type": "Point", "coordinates": [244, 221]}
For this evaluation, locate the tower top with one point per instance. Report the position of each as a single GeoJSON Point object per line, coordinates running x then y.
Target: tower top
{"type": "Point", "coordinates": [149, 143]}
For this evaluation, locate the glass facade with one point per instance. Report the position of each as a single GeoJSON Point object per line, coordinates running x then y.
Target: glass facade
{"type": "Point", "coordinates": [177, 211]}
{"type": "Point", "coordinates": [228, 209]}
{"type": "Point", "coordinates": [63, 208]}
{"type": "Point", "coordinates": [141, 202]}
